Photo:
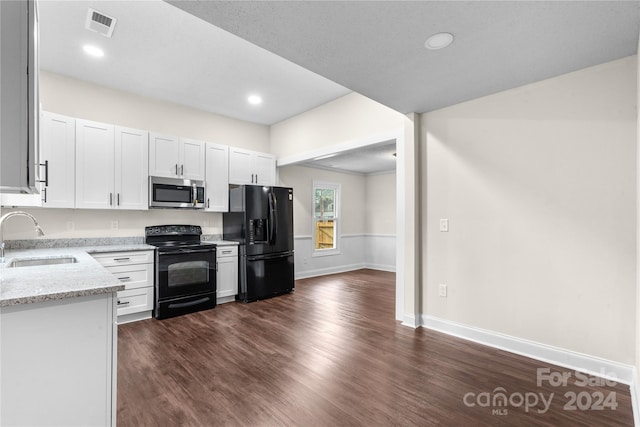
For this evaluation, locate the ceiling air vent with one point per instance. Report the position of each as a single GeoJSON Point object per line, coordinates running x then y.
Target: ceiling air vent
{"type": "Point", "coordinates": [100, 23]}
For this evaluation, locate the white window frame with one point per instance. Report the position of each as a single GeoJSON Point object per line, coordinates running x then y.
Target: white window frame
{"type": "Point", "coordinates": [337, 220]}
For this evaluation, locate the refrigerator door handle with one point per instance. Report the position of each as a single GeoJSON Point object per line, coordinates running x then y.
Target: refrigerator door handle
{"type": "Point", "coordinates": [274, 234]}
{"type": "Point", "coordinates": [270, 219]}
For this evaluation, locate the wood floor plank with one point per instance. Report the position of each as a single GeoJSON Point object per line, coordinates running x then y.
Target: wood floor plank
{"type": "Point", "coordinates": [332, 354]}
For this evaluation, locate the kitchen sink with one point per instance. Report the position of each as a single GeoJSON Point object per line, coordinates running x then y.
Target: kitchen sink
{"type": "Point", "coordinates": [33, 262]}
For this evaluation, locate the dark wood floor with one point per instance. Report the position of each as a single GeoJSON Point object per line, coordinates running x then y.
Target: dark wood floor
{"type": "Point", "coordinates": [331, 354]}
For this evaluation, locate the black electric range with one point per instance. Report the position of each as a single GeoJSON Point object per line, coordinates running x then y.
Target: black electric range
{"type": "Point", "coordinates": [185, 270]}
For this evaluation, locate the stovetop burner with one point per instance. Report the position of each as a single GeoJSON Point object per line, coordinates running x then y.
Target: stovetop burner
{"type": "Point", "coordinates": [170, 237]}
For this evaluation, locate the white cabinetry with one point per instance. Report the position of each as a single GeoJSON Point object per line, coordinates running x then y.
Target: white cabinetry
{"type": "Point", "coordinates": [58, 150]}
{"type": "Point", "coordinates": [131, 168]}
{"type": "Point", "coordinates": [111, 171]}
{"type": "Point", "coordinates": [173, 157]}
{"type": "Point", "coordinates": [19, 102]}
{"type": "Point", "coordinates": [251, 167]}
{"type": "Point", "coordinates": [59, 362]}
{"type": "Point", "coordinates": [227, 278]}
{"type": "Point", "coordinates": [135, 270]}
{"type": "Point", "coordinates": [217, 178]}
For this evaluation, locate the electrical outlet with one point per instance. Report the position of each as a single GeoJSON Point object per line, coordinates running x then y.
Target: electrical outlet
{"type": "Point", "coordinates": [114, 225]}
{"type": "Point", "coordinates": [444, 225]}
{"type": "Point", "coordinates": [304, 260]}
{"type": "Point", "coordinates": [70, 226]}
{"type": "Point", "coordinates": [442, 290]}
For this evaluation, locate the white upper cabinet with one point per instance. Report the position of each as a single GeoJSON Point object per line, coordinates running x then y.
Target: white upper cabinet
{"type": "Point", "coordinates": [193, 159]}
{"type": "Point", "coordinates": [251, 167]}
{"type": "Point", "coordinates": [58, 150]}
{"type": "Point", "coordinates": [217, 182]}
{"type": "Point", "coordinates": [265, 169]}
{"type": "Point", "coordinates": [19, 103]}
{"type": "Point", "coordinates": [131, 168]}
{"type": "Point", "coordinates": [110, 167]}
{"type": "Point", "coordinates": [94, 165]}
{"type": "Point", "coordinates": [164, 155]}
{"type": "Point", "coordinates": [173, 157]}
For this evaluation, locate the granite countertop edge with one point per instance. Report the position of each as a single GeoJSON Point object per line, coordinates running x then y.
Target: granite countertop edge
{"type": "Point", "coordinates": [28, 285]}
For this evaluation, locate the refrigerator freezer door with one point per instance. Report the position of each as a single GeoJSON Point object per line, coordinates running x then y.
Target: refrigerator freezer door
{"type": "Point", "coordinates": [265, 276]}
{"type": "Point", "coordinates": [282, 220]}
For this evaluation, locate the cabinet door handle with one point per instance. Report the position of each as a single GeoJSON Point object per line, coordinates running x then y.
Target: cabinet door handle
{"type": "Point", "coordinates": [44, 193]}
{"type": "Point", "coordinates": [208, 203]}
{"type": "Point", "coordinates": [181, 169]}
{"type": "Point", "coordinates": [176, 169]}
{"type": "Point", "coordinates": [226, 252]}
{"type": "Point", "coordinates": [124, 303]}
{"type": "Point", "coordinates": [122, 259]}
{"type": "Point", "coordinates": [123, 279]}
{"type": "Point", "coordinates": [118, 198]}
{"type": "Point", "coordinates": [110, 199]}
{"type": "Point", "coordinates": [256, 178]}
{"type": "Point", "coordinates": [46, 173]}
{"type": "Point", "coordinates": [252, 178]}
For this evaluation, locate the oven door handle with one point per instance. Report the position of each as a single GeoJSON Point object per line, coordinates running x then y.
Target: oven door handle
{"type": "Point", "coordinates": [187, 251]}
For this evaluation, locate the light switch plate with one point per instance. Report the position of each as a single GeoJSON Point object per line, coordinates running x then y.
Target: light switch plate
{"type": "Point", "coordinates": [444, 225]}
{"type": "Point", "coordinates": [442, 290]}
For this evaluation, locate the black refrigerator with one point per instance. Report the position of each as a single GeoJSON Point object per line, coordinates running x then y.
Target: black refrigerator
{"type": "Point", "coordinates": [260, 219]}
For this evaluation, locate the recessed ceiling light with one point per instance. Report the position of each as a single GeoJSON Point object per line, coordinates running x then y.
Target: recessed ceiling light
{"type": "Point", "coordinates": [93, 51]}
{"type": "Point", "coordinates": [254, 100]}
{"type": "Point", "coordinates": [439, 41]}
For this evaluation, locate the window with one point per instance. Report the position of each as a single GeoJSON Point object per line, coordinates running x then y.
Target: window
{"type": "Point", "coordinates": [326, 204]}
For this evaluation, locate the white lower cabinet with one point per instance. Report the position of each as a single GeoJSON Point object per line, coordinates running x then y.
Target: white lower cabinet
{"type": "Point", "coordinates": [59, 362]}
{"type": "Point", "coordinates": [227, 278]}
{"type": "Point", "coordinates": [135, 270]}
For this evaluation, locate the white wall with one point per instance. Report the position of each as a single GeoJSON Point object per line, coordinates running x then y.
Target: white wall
{"type": "Point", "coordinates": [85, 100]}
{"type": "Point", "coordinates": [78, 223]}
{"type": "Point", "coordinates": [353, 121]}
{"type": "Point", "coordinates": [352, 197]}
{"type": "Point", "coordinates": [380, 221]}
{"type": "Point", "coordinates": [77, 98]}
{"type": "Point", "coordinates": [361, 245]}
{"type": "Point", "coordinates": [380, 204]}
{"type": "Point", "coordinates": [348, 118]}
{"type": "Point", "coordinates": [539, 186]}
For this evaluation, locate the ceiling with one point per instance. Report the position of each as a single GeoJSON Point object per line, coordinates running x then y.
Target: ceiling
{"type": "Point", "coordinates": [377, 48]}
{"type": "Point", "coordinates": [162, 52]}
{"type": "Point", "coordinates": [376, 158]}
{"type": "Point", "coordinates": [293, 52]}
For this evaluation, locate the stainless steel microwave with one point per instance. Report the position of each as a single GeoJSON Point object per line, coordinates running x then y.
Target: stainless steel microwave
{"type": "Point", "coordinates": [175, 193]}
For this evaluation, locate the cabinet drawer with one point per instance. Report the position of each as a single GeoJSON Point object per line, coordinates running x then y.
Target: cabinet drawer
{"type": "Point", "coordinates": [133, 276]}
{"type": "Point", "coordinates": [135, 301]}
{"type": "Point", "coordinates": [227, 251]}
{"type": "Point", "coordinates": [124, 258]}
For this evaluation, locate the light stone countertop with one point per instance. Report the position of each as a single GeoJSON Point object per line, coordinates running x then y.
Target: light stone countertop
{"type": "Point", "coordinates": [24, 285]}
{"type": "Point", "coordinates": [222, 242]}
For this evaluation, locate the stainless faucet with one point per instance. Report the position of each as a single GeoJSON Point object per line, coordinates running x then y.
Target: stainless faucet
{"type": "Point", "coordinates": [9, 215]}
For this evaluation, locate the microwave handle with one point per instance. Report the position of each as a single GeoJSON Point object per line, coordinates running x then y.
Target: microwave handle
{"type": "Point", "coordinates": [194, 196]}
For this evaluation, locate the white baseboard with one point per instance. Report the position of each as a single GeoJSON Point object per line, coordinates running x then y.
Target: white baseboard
{"type": "Point", "coordinates": [222, 300]}
{"type": "Point", "coordinates": [592, 365]}
{"type": "Point", "coordinates": [635, 398]}
{"type": "Point", "coordinates": [381, 267]}
{"type": "Point", "coordinates": [330, 270]}
{"type": "Point", "coordinates": [410, 321]}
